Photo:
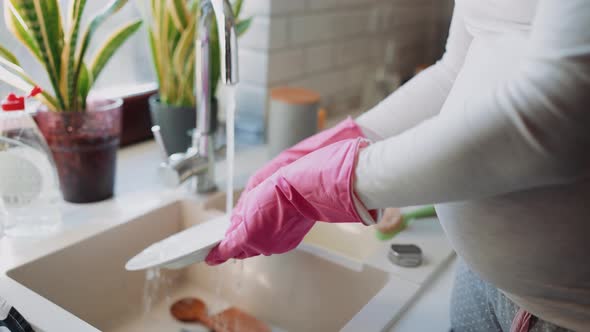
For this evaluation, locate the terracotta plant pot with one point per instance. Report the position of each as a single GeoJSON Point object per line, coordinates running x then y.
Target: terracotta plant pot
{"type": "Point", "coordinates": [84, 147]}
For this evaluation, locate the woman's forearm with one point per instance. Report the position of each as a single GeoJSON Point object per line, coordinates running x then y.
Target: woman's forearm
{"type": "Point", "coordinates": [530, 131]}
{"type": "Point", "coordinates": [423, 96]}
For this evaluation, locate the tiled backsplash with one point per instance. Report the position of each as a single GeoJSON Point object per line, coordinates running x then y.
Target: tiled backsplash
{"type": "Point", "coordinates": [334, 46]}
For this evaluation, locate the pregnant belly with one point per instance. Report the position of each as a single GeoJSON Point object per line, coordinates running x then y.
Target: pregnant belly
{"type": "Point", "coordinates": [533, 245]}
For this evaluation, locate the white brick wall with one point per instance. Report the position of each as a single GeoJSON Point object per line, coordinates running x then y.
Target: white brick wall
{"type": "Point", "coordinates": [334, 46]}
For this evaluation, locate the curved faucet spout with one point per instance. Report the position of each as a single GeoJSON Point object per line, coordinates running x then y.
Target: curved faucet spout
{"type": "Point", "coordinates": [222, 12]}
{"type": "Point", "coordinates": [228, 40]}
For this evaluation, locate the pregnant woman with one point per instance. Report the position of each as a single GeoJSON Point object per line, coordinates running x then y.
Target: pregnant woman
{"type": "Point", "coordinates": [496, 134]}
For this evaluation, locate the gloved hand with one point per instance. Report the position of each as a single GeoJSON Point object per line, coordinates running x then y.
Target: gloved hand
{"type": "Point", "coordinates": [274, 216]}
{"type": "Point", "coordinates": [344, 130]}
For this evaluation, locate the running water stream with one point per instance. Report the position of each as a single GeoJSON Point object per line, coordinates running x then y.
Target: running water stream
{"type": "Point", "coordinates": [230, 129]}
{"type": "Point", "coordinates": [156, 284]}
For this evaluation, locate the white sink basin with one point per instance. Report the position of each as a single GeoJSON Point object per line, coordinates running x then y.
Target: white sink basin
{"type": "Point", "coordinates": [297, 291]}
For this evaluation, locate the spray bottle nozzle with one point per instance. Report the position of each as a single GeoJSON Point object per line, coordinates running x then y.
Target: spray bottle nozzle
{"type": "Point", "coordinates": [17, 103]}
{"type": "Point", "coordinates": [36, 90]}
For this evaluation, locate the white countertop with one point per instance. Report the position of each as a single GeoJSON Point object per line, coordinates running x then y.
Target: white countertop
{"type": "Point", "coordinates": [138, 190]}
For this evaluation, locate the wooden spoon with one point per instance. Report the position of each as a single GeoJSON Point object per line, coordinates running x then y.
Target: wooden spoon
{"type": "Point", "coordinates": [190, 310]}
{"type": "Point", "coordinates": [236, 320]}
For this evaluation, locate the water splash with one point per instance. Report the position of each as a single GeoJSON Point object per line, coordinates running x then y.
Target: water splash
{"type": "Point", "coordinates": [151, 289]}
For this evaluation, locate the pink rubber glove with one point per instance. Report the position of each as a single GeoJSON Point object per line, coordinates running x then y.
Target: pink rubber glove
{"type": "Point", "coordinates": [344, 130]}
{"type": "Point", "coordinates": [274, 216]}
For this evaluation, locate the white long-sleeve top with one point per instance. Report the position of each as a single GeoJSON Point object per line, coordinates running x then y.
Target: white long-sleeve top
{"type": "Point", "coordinates": [497, 134]}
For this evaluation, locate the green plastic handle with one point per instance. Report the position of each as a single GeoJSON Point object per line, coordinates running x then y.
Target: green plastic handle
{"type": "Point", "coordinates": [421, 213]}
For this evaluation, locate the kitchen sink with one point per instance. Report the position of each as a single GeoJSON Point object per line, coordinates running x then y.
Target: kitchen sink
{"type": "Point", "coordinates": [297, 291]}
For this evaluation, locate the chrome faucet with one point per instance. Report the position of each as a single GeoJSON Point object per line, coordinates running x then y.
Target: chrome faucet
{"type": "Point", "coordinates": [199, 160]}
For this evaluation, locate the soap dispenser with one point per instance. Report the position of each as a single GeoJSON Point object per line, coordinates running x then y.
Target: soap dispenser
{"type": "Point", "coordinates": [29, 190]}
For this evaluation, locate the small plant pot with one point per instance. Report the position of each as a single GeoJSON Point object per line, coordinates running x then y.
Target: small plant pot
{"type": "Point", "coordinates": [84, 147]}
{"type": "Point", "coordinates": [176, 124]}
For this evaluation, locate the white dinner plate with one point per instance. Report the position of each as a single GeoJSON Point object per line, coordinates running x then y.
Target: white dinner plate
{"type": "Point", "coordinates": [183, 248]}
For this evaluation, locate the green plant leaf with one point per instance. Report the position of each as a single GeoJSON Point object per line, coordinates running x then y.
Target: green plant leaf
{"type": "Point", "coordinates": [49, 13]}
{"type": "Point", "coordinates": [243, 26]}
{"type": "Point", "coordinates": [111, 8]}
{"type": "Point", "coordinates": [112, 44]}
{"type": "Point", "coordinates": [173, 34]}
{"type": "Point", "coordinates": [43, 19]}
{"type": "Point", "coordinates": [168, 86]}
{"type": "Point", "coordinates": [188, 85]}
{"type": "Point", "coordinates": [68, 56]}
{"type": "Point", "coordinates": [155, 6]}
{"type": "Point", "coordinates": [19, 29]}
{"type": "Point", "coordinates": [183, 49]}
{"type": "Point", "coordinates": [11, 65]}
{"type": "Point", "coordinates": [13, 79]}
{"type": "Point", "coordinates": [86, 81]}
{"type": "Point", "coordinates": [237, 8]}
{"type": "Point", "coordinates": [6, 54]}
{"type": "Point", "coordinates": [179, 13]}
{"type": "Point", "coordinates": [158, 43]}
{"type": "Point", "coordinates": [155, 55]}
{"type": "Point", "coordinates": [194, 7]}
{"type": "Point", "coordinates": [172, 41]}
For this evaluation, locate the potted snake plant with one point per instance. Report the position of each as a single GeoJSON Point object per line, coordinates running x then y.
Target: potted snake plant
{"type": "Point", "coordinates": [82, 134]}
{"type": "Point", "coordinates": [172, 34]}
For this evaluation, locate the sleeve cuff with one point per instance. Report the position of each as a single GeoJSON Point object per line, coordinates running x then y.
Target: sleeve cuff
{"type": "Point", "coordinates": [367, 217]}
{"type": "Point", "coordinates": [370, 134]}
